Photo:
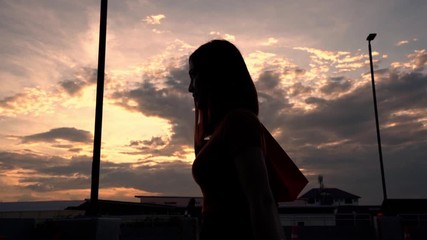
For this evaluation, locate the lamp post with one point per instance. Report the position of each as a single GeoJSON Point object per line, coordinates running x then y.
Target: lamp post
{"type": "Point", "coordinates": [369, 39]}
{"type": "Point", "coordinates": [93, 204]}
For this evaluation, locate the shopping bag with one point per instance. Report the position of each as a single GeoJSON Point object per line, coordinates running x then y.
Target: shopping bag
{"type": "Point", "coordinates": [286, 180]}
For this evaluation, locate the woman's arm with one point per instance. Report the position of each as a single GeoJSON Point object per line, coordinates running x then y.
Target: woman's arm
{"type": "Point", "coordinates": [253, 177]}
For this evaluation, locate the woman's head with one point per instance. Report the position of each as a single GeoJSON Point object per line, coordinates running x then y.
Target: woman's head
{"type": "Point", "coordinates": [220, 83]}
{"type": "Point", "coordinates": [220, 79]}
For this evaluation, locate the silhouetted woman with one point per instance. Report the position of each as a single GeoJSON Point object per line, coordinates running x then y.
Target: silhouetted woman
{"type": "Point", "coordinates": [229, 165]}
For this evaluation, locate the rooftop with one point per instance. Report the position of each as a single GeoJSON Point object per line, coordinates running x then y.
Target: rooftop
{"type": "Point", "coordinates": [331, 192]}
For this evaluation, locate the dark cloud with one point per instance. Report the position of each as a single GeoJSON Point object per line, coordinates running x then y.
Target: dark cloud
{"type": "Point", "coordinates": [75, 150]}
{"type": "Point", "coordinates": [335, 118]}
{"type": "Point", "coordinates": [62, 146]}
{"type": "Point", "coordinates": [299, 89]}
{"type": "Point", "coordinates": [338, 137]}
{"type": "Point", "coordinates": [336, 84]}
{"type": "Point", "coordinates": [53, 174]}
{"type": "Point", "coordinates": [315, 101]}
{"type": "Point", "coordinates": [156, 146]}
{"type": "Point", "coordinates": [81, 78]}
{"type": "Point", "coordinates": [11, 161]}
{"type": "Point", "coordinates": [172, 102]}
{"type": "Point", "coordinates": [7, 102]}
{"type": "Point", "coordinates": [402, 91]}
{"type": "Point", "coordinates": [65, 133]}
{"type": "Point", "coordinates": [272, 98]}
{"type": "Point", "coordinates": [72, 87]}
{"type": "Point", "coordinates": [170, 178]}
{"type": "Point", "coordinates": [268, 80]}
{"type": "Point", "coordinates": [69, 147]}
{"type": "Point", "coordinates": [154, 142]}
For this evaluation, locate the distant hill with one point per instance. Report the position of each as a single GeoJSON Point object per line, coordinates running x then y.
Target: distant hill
{"type": "Point", "coordinates": [39, 205]}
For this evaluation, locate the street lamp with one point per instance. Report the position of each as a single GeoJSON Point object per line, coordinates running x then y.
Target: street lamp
{"type": "Point", "coordinates": [369, 39]}
{"type": "Point", "coordinates": [96, 161]}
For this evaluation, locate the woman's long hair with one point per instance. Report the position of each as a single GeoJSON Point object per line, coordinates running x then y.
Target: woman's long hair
{"type": "Point", "coordinates": [226, 85]}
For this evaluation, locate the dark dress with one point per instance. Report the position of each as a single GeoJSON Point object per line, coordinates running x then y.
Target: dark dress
{"type": "Point", "coordinates": [226, 212]}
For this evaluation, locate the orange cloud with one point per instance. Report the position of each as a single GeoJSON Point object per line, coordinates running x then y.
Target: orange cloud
{"type": "Point", "coordinates": [402, 43]}
{"type": "Point", "coordinates": [225, 36]}
{"type": "Point", "coordinates": [34, 101]}
{"type": "Point", "coordinates": [154, 19]}
{"type": "Point", "coordinates": [270, 41]}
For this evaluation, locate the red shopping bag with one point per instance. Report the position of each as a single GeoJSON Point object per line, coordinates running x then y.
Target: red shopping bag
{"type": "Point", "coordinates": [286, 180]}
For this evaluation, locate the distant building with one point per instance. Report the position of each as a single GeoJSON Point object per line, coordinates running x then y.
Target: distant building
{"type": "Point", "coordinates": [329, 197]}
{"type": "Point", "coordinates": [170, 200]}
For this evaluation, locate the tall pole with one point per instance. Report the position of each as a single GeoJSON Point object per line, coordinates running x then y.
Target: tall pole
{"type": "Point", "coordinates": [369, 39]}
{"type": "Point", "coordinates": [93, 206]}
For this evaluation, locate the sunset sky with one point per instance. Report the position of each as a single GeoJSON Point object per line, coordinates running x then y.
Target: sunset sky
{"type": "Point", "coordinates": [309, 60]}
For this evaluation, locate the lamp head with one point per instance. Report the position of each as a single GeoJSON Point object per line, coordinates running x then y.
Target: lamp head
{"type": "Point", "coordinates": [371, 36]}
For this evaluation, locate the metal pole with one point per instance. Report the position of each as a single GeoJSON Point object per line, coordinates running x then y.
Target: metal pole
{"type": "Point", "coordinates": [93, 206]}
{"type": "Point", "coordinates": [376, 119]}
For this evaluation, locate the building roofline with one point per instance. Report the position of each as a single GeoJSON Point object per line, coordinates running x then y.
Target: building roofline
{"type": "Point", "coordinates": [312, 191]}
{"type": "Point", "coordinates": [142, 196]}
